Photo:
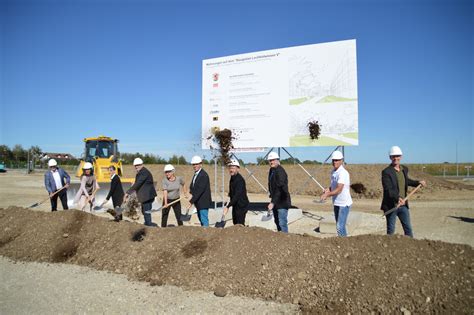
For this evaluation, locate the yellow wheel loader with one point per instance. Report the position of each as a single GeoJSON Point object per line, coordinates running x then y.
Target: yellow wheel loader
{"type": "Point", "coordinates": [102, 152]}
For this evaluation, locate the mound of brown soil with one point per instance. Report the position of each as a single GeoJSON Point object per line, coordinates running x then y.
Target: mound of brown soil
{"type": "Point", "coordinates": [357, 274]}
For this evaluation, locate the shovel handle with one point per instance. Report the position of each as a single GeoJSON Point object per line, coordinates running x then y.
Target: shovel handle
{"type": "Point", "coordinates": [404, 200]}
{"type": "Point", "coordinates": [172, 203]}
{"type": "Point", "coordinates": [49, 197]}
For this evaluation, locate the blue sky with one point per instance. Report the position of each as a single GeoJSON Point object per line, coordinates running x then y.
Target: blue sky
{"type": "Point", "coordinates": [132, 70]}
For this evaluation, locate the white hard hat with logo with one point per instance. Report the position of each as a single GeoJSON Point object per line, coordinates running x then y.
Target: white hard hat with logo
{"type": "Point", "coordinates": [337, 155]}
{"type": "Point", "coordinates": [137, 161]}
{"type": "Point", "coordinates": [234, 162]}
{"type": "Point", "coordinates": [87, 166]}
{"type": "Point", "coordinates": [196, 159]}
{"type": "Point", "coordinates": [169, 168]}
{"type": "Point", "coordinates": [395, 150]}
{"type": "Point", "coordinates": [52, 162]}
{"type": "Point", "coordinates": [273, 156]}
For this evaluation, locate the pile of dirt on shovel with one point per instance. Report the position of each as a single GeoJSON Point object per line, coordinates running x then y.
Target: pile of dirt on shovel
{"type": "Point", "coordinates": [383, 274]}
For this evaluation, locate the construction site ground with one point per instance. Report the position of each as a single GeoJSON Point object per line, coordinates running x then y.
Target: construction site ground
{"type": "Point", "coordinates": [257, 270]}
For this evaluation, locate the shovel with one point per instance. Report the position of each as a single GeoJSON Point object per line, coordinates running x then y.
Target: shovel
{"type": "Point", "coordinates": [267, 217]}
{"type": "Point", "coordinates": [398, 205]}
{"type": "Point", "coordinates": [49, 197]}
{"type": "Point", "coordinates": [222, 222]}
{"type": "Point", "coordinates": [170, 204]}
{"type": "Point", "coordinates": [186, 217]}
{"type": "Point", "coordinates": [101, 205]}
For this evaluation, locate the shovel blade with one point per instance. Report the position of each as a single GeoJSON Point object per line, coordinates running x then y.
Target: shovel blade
{"type": "Point", "coordinates": [220, 224]}
{"type": "Point", "coordinates": [267, 217]}
{"type": "Point", "coordinates": [185, 217]}
{"type": "Point", "coordinates": [34, 205]}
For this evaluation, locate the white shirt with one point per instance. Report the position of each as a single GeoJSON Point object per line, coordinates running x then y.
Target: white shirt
{"type": "Point", "coordinates": [196, 175]}
{"type": "Point", "coordinates": [57, 179]}
{"type": "Point", "coordinates": [341, 176]}
{"type": "Point", "coordinates": [112, 177]}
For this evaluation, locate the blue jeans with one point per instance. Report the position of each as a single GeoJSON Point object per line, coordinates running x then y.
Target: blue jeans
{"type": "Point", "coordinates": [404, 216]}
{"type": "Point", "coordinates": [203, 216]}
{"type": "Point", "coordinates": [146, 211]}
{"type": "Point", "coordinates": [341, 214]}
{"type": "Point", "coordinates": [281, 219]}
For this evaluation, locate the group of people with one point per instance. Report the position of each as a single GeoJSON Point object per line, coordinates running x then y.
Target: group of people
{"type": "Point", "coordinates": [395, 182]}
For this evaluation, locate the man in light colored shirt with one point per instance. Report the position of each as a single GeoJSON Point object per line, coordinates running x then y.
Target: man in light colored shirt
{"type": "Point", "coordinates": [340, 192]}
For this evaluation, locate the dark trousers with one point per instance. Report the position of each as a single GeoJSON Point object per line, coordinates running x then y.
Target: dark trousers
{"type": "Point", "coordinates": [54, 200]}
{"type": "Point", "coordinates": [177, 212]}
{"type": "Point", "coordinates": [117, 204]}
{"type": "Point", "coordinates": [238, 215]}
{"type": "Point", "coordinates": [146, 211]}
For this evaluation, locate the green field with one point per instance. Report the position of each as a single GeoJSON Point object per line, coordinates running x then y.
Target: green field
{"type": "Point", "coordinates": [297, 101]}
{"type": "Point", "coordinates": [332, 99]}
{"type": "Point", "coordinates": [351, 135]}
{"type": "Point", "coordinates": [305, 140]}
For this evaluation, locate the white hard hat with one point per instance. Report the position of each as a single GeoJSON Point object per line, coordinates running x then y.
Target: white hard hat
{"type": "Point", "coordinates": [234, 162]}
{"type": "Point", "coordinates": [273, 156]}
{"type": "Point", "coordinates": [337, 155]}
{"type": "Point", "coordinates": [395, 150]}
{"type": "Point", "coordinates": [137, 161]}
{"type": "Point", "coordinates": [52, 162]}
{"type": "Point", "coordinates": [87, 166]}
{"type": "Point", "coordinates": [196, 159]}
{"type": "Point", "coordinates": [169, 168]}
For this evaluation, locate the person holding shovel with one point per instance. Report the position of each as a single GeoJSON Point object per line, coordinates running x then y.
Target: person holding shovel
{"type": "Point", "coordinates": [56, 181]}
{"type": "Point", "coordinates": [116, 191]}
{"type": "Point", "coordinates": [237, 194]}
{"type": "Point", "coordinates": [200, 189]}
{"type": "Point", "coordinates": [340, 192]}
{"type": "Point", "coordinates": [171, 193]}
{"type": "Point", "coordinates": [279, 194]}
{"type": "Point", "coordinates": [395, 182]}
{"type": "Point", "coordinates": [89, 186]}
{"type": "Point", "coordinates": [145, 189]}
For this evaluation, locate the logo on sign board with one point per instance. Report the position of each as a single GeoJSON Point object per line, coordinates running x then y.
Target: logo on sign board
{"type": "Point", "coordinates": [215, 77]}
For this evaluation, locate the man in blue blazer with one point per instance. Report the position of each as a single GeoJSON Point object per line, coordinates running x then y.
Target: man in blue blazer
{"type": "Point", "coordinates": [56, 179]}
{"type": "Point", "coordinates": [200, 189]}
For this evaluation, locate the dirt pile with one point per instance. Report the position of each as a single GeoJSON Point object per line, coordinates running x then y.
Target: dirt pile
{"type": "Point", "coordinates": [358, 274]}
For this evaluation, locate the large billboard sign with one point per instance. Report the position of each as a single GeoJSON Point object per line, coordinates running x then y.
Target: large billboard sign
{"type": "Point", "coordinates": [267, 98]}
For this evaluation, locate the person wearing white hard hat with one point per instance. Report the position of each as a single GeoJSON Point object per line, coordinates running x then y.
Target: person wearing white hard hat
{"type": "Point", "coordinates": [88, 189]}
{"type": "Point", "coordinates": [395, 182]}
{"type": "Point", "coordinates": [237, 194]}
{"type": "Point", "coordinates": [340, 192]}
{"type": "Point", "coordinates": [279, 193]}
{"type": "Point", "coordinates": [200, 189]}
{"type": "Point", "coordinates": [56, 181]}
{"type": "Point", "coordinates": [171, 192]}
{"type": "Point", "coordinates": [144, 187]}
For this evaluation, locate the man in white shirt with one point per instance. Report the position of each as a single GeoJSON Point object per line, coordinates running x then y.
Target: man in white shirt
{"type": "Point", "coordinates": [56, 181]}
{"type": "Point", "coordinates": [340, 192]}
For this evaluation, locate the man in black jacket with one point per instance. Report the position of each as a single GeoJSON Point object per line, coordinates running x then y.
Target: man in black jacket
{"type": "Point", "coordinates": [395, 182]}
{"type": "Point", "coordinates": [116, 191]}
{"type": "Point", "coordinates": [237, 194]}
{"type": "Point", "coordinates": [279, 194]}
{"type": "Point", "coordinates": [145, 189]}
{"type": "Point", "coordinates": [200, 189]}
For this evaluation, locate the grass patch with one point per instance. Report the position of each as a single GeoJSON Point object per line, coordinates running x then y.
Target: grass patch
{"type": "Point", "coordinates": [333, 99]}
{"type": "Point", "coordinates": [351, 135]}
{"type": "Point", "coordinates": [297, 101]}
{"type": "Point", "coordinates": [305, 141]}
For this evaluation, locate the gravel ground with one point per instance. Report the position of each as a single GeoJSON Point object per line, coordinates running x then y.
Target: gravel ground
{"type": "Point", "coordinates": [37, 288]}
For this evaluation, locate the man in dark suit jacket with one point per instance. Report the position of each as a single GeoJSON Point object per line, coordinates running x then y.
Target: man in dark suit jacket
{"type": "Point", "coordinates": [200, 189]}
{"type": "Point", "coordinates": [238, 194]}
{"type": "Point", "coordinates": [145, 189]}
{"type": "Point", "coordinates": [116, 191]}
{"type": "Point", "coordinates": [395, 182]}
{"type": "Point", "coordinates": [55, 179]}
{"type": "Point", "coordinates": [279, 194]}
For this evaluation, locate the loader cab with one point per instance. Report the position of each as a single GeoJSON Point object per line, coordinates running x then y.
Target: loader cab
{"type": "Point", "coordinates": [101, 148]}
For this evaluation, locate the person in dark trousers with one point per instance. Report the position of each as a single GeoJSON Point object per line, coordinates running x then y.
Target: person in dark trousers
{"type": "Point", "coordinates": [200, 189]}
{"type": "Point", "coordinates": [172, 185]}
{"type": "Point", "coordinates": [145, 189]}
{"type": "Point", "coordinates": [55, 179]}
{"type": "Point", "coordinates": [237, 194]}
{"type": "Point", "coordinates": [279, 194]}
{"type": "Point", "coordinates": [116, 191]}
{"type": "Point", "coordinates": [395, 182]}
